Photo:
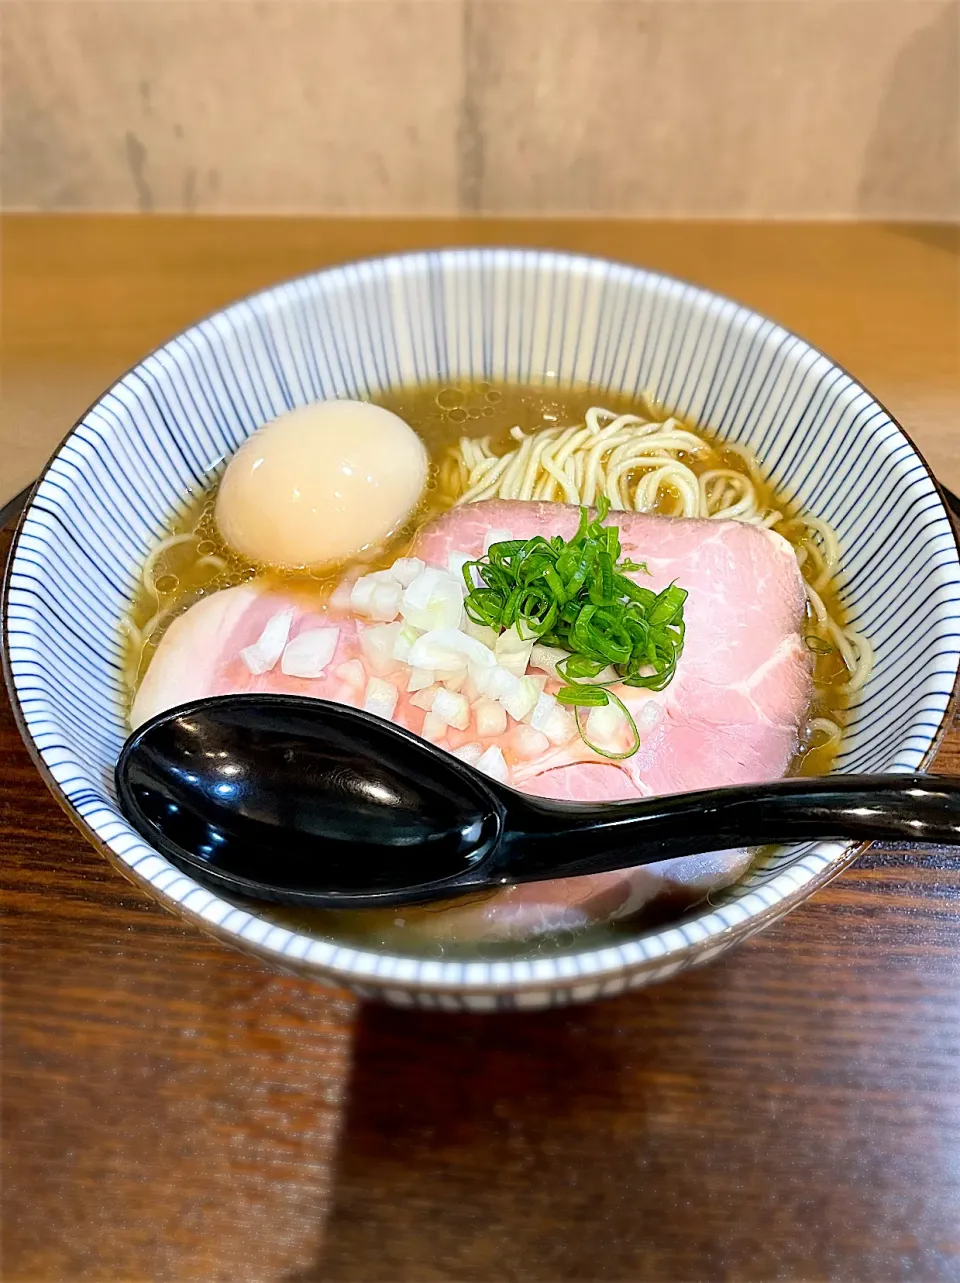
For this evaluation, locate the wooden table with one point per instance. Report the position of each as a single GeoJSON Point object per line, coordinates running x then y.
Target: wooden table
{"type": "Point", "coordinates": [174, 1112]}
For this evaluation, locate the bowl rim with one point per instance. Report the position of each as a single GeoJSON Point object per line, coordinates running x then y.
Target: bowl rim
{"type": "Point", "coordinates": [671, 960]}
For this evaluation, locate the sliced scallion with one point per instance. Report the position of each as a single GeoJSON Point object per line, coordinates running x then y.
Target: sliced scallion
{"type": "Point", "coordinates": [574, 594]}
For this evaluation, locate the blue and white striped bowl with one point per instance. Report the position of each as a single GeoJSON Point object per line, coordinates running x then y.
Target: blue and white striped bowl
{"type": "Point", "coordinates": [162, 432]}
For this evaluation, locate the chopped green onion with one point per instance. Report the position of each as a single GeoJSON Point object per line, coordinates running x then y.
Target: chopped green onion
{"type": "Point", "coordinates": [574, 594]}
{"type": "Point", "coordinates": [585, 696]}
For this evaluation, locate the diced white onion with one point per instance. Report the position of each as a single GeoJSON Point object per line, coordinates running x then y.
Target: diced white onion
{"type": "Point", "coordinates": [455, 681]}
{"type": "Point", "coordinates": [420, 679]}
{"type": "Point", "coordinates": [604, 719]}
{"type": "Point", "coordinates": [434, 729]}
{"type": "Point", "coordinates": [608, 727]}
{"type": "Point", "coordinates": [310, 652]}
{"type": "Point", "coordinates": [405, 639]}
{"type": "Point", "coordinates": [481, 632]}
{"type": "Point", "coordinates": [543, 712]}
{"type": "Point", "coordinates": [267, 649]}
{"type": "Point", "coordinates": [561, 727]}
{"type": "Point", "coordinates": [377, 644]}
{"type": "Point", "coordinates": [406, 569]}
{"type": "Point", "coordinates": [340, 598]}
{"type": "Point", "coordinates": [418, 591]}
{"type": "Point", "coordinates": [452, 709]}
{"type": "Point", "coordinates": [386, 602]}
{"type": "Point", "coordinates": [555, 721]}
{"type": "Point", "coordinates": [490, 718]}
{"type": "Point", "coordinates": [499, 684]}
{"type": "Point", "coordinates": [492, 763]}
{"type": "Point", "coordinates": [512, 652]}
{"type": "Point", "coordinates": [522, 701]}
{"type": "Point", "coordinates": [547, 658]}
{"type": "Point", "coordinates": [433, 600]}
{"type": "Point", "coordinates": [528, 743]}
{"type": "Point", "coordinates": [469, 687]}
{"type": "Point", "coordinates": [352, 672]}
{"type": "Point", "coordinates": [380, 698]}
{"type": "Point", "coordinates": [448, 649]}
{"type": "Point", "coordinates": [424, 698]}
{"type": "Point", "coordinates": [377, 596]}
{"type": "Point", "coordinates": [469, 753]}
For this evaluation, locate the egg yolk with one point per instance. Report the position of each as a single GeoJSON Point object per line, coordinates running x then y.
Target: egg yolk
{"type": "Point", "coordinates": [320, 483]}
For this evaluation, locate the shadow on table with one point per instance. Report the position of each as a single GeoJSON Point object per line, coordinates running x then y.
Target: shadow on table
{"type": "Point", "coordinates": [789, 1112]}
{"type": "Point", "coordinates": [535, 1146]}
{"type": "Point", "coordinates": [462, 1130]}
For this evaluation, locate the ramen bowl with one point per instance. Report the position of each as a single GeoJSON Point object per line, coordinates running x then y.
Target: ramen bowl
{"type": "Point", "coordinates": [162, 432]}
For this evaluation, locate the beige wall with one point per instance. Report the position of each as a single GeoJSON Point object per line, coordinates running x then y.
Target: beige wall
{"type": "Point", "coordinates": [654, 107]}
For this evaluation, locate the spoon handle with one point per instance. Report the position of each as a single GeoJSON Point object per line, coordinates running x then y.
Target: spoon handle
{"type": "Point", "coordinates": [565, 839]}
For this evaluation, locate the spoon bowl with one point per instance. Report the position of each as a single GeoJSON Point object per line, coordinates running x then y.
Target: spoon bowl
{"type": "Point", "coordinates": [305, 801]}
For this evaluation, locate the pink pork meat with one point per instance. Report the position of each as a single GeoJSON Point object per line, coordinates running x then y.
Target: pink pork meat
{"type": "Point", "coordinates": [731, 715]}
{"type": "Point", "coordinates": [733, 711]}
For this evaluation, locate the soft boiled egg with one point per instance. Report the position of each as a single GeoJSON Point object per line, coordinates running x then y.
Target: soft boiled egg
{"type": "Point", "coordinates": [320, 483]}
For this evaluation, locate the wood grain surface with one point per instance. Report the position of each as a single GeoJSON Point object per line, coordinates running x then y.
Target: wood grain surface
{"type": "Point", "coordinates": [174, 1112]}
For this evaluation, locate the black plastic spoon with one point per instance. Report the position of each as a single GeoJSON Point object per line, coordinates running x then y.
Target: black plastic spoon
{"type": "Point", "coordinates": [306, 802]}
